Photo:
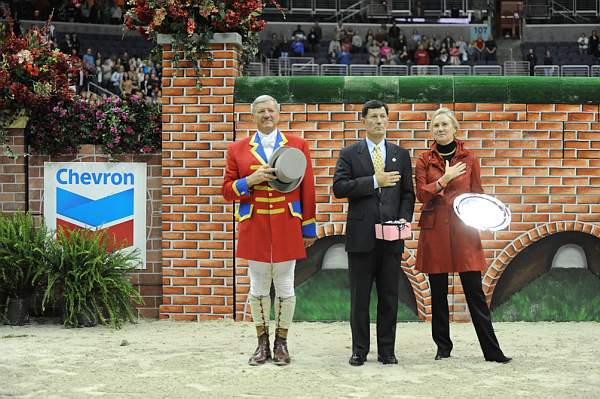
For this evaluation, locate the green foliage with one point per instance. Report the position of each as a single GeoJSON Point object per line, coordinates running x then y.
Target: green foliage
{"type": "Point", "coordinates": [120, 126]}
{"type": "Point", "coordinates": [93, 280]}
{"type": "Point", "coordinates": [22, 248]}
{"type": "Point", "coordinates": [326, 297]}
{"type": "Point", "coordinates": [559, 295]}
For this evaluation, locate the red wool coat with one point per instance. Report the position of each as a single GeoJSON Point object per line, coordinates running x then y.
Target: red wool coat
{"type": "Point", "coordinates": [271, 224]}
{"type": "Point", "coordinates": [446, 244]}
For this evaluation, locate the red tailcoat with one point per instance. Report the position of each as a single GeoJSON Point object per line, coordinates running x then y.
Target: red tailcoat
{"type": "Point", "coordinates": [446, 244]}
{"type": "Point", "coordinates": [271, 224]}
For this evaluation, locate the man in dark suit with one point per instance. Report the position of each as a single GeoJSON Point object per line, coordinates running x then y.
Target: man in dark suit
{"type": "Point", "coordinates": [376, 177]}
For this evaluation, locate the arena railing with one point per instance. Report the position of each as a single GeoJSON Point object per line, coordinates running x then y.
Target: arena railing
{"type": "Point", "coordinates": [546, 70]}
{"type": "Point", "coordinates": [255, 69]}
{"type": "Point", "coordinates": [575, 70]}
{"type": "Point", "coordinates": [457, 70]}
{"type": "Point", "coordinates": [516, 68]}
{"type": "Point", "coordinates": [363, 70]}
{"type": "Point", "coordinates": [305, 69]}
{"type": "Point", "coordinates": [302, 5]}
{"type": "Point", "coordinates": [595, 71]}
{"type": "Point", "coordinates": [334, 70]}
{"type": "Point", "coordinates": [424, 70]}
{"type": "Point", "coordinates": [282, 66]}
{"type": "Point", "coordinates": [487, 70]}
{"type": "Point", "coordinates": [99, 90]}
{"type": "Point", "coordinates": [393, 70]}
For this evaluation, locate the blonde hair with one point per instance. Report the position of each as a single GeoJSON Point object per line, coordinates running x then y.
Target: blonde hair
{"type": "Point", "coordinates": [449, 114]}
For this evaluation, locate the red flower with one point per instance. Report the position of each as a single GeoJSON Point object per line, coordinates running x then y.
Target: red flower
{"type": "Point", "coordinates": [190, 27]}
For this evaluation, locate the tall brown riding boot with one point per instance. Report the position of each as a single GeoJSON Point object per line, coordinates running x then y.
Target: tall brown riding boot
{"type": "Point", "coordinates": [261, 306]}
{"type": "Point", "coordinates": [262, 352]}
{"type": "Point", "coordinates": [281, 356]}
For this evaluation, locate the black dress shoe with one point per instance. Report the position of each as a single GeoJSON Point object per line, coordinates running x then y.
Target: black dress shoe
{"type": "Point", "coordinates": [441, 355]}
{"type": "Point", "coordinates": [357, 360]}
{"type": "Point", "coordinates": [387, 359]}
{"type": "Point", "coordinates": [502, 359]}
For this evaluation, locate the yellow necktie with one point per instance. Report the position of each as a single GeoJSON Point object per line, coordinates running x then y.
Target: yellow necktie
{"type": "Point", "coordinates": [378, 160]}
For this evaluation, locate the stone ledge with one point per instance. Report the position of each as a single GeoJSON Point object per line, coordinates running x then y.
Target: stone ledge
{"type": "Point", "coordinates": [220, 38]}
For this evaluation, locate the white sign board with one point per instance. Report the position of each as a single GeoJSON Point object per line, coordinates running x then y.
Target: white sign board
{"type": "Point", "coordinates": [98, 196]}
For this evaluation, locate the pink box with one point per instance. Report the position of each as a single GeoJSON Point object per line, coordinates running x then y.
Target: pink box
{"type": "Point", "coordinates": [392, 231]}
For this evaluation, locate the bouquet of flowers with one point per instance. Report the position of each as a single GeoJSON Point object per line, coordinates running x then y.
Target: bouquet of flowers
{"type": "Point", "coordinates": [193, 22]}
{"type": "Point", "coordinates": [31, 74]}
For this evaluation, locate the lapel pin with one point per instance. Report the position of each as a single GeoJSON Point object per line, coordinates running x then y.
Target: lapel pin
{"type": "Point", "coordinates": [393, 159]}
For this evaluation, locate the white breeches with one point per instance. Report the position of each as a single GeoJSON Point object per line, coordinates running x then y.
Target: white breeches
{"type": "Point", "coordinates": [262, 273]}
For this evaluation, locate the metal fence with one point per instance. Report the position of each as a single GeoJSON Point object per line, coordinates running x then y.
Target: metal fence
{"type": "Point", "coordinates": [306, 67]}
{"type": "Point", "coordinates": [575, 70]}
{"type": "Point", "coordinates": [546, 70]}
{"type": "Point", "coordinates": [516, 68]}
{"type": "Point", "coordinates": [363, 70]}
{"type": "Point", "coordinates": [283, 66]}
{"type": "Point", "coordinates": [457, 70]}
{"type": "Point", "coordinates": [334, 70]}
{"type": "Point", "coordinates": [393, 70]}
{"type": "Point", "coordinates": [424, 70]}
{"type": "Point", "coordinates": [487, 70]}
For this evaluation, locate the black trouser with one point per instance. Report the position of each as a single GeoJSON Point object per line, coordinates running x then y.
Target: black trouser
{"type": "Point", "coordinates": [480, 313]}
{"type": "Point", "coordinates": [383, 267]}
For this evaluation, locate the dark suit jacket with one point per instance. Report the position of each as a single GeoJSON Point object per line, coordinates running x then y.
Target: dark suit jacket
{"type": "Point", "coordinates": [353, 179]}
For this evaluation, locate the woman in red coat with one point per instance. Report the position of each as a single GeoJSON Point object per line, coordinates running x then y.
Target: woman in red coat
{"type": "Point", "coordinates": [446, 244]}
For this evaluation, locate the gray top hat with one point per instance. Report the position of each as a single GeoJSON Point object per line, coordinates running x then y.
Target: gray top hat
{"type": "Point", "coordinates": [290, 163]}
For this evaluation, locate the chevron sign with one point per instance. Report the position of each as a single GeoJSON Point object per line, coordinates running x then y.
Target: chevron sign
{"type": "Point", "coordinates": [98, 196]}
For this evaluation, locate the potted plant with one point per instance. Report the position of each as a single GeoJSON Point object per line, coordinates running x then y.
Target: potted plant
{"type": "Point", "coordinates": [93, 281]}
{"type": "Point", "coordinates": [22, 249]}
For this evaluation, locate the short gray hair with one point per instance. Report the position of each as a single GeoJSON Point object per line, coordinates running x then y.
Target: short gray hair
{"type": "Point", "coordinates": [263, 99]}
{"type": "Point", "coordinates": [448, 113]}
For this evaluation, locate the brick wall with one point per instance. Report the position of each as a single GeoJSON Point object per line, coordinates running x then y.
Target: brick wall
{"type": "Point", "coordinates": [12, 197]}
{"type": "Point", "coordinates": [541, 159]}
{"type": "Point", "coordinates": [12, 173]}
{"type": "Point", "coordinates": [197, 224]}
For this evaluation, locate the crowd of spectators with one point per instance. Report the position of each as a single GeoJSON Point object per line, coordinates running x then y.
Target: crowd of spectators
{"type": "Point", "coordinates": [122, 75]}
{"type": "Point", "coordinates": [104, 74]}
{"type": "Point", "coordinates": [86, 11]}
{"type": "Point", "coordinates": [381, 47]}
{"type": "Point", "coordinates": [587, 48]}
{"type": "Point", "coordinates": [589, 45]}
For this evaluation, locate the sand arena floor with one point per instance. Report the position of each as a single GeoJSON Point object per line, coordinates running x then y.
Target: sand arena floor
{"type": "Point", "coordinates": [162, 359]}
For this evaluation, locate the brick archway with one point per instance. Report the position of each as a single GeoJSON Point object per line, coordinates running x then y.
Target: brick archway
{"type": "Point", "coordinates": [510, 251]}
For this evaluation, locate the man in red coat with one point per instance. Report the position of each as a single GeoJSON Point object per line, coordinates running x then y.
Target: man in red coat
{"type": "Point", "coordinates": [275, 227]}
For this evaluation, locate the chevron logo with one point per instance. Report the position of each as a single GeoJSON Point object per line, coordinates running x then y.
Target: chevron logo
{"type": "Point", "coordinates": [113, 214]}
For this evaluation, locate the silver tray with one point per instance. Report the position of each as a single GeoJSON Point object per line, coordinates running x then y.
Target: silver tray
{"type": "Point", "coordinates": [482, 211]}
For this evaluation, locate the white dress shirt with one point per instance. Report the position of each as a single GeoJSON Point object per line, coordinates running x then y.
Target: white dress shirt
{"type": "Point", "coordinates": [268, 142]}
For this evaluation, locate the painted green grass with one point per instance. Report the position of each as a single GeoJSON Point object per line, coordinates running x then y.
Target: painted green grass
{"type": "Point", "coordinates": [559, 295]}
{"type": "Point", "coordinates": [326, 297]}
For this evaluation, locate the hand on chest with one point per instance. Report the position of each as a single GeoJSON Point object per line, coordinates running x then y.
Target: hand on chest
{"type": "Point", "coordinates": [437, 169]}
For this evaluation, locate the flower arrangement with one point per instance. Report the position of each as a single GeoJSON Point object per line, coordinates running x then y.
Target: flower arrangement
{"type": "Point", "coordinates": [193, 22]}
{"type": "Point", "coordinates": [31, 73]}
{"type": "Point", "coordinates": [118, 125]}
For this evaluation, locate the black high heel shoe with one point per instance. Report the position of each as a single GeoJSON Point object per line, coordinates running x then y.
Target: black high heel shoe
{"type": "Point", "coordinates": [501, 359]}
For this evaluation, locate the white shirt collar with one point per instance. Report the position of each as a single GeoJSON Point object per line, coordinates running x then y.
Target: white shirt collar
{"type": "Point", "coordinates": [267, 138]}
{"type": "Point", "coordinates": [371, 146]}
